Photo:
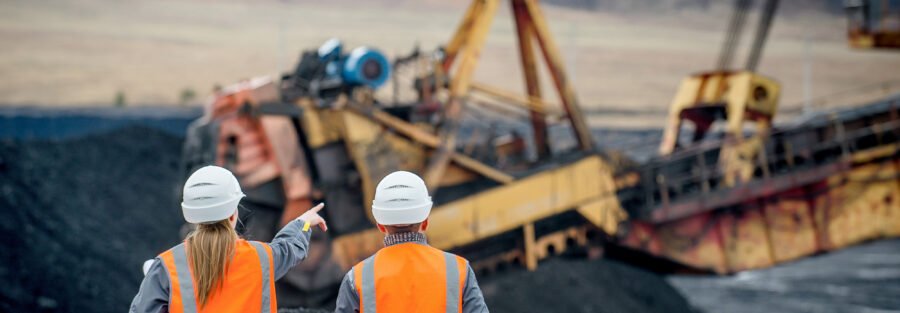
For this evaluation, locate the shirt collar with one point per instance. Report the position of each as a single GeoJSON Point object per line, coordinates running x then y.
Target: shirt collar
{"type": "Point", "coordinates": [398, 238]}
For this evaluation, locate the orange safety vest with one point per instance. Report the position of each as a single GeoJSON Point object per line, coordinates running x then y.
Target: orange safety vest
{"type": "Point", "coordinates": [249, 284]}
{"type": "Point", "coordinates": [410, 277]}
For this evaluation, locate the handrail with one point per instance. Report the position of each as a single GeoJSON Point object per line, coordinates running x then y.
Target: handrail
{"type": "Point", "coordinates": [668, 183]}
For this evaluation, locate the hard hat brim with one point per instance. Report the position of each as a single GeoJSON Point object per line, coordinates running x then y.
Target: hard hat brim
{"type": "Point", "coordinates": [211, 213]}
{"type": "Point", "coordinates": [401, 216]}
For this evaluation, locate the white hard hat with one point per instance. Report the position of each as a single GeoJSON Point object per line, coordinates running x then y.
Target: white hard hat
{"type": "Point", "coordinates": [401, 199]}
{"type": "Point", "coordinates": [211, 194]}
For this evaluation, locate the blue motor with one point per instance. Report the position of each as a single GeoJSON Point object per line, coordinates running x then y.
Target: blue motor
{"type": "Point", "coordinates": [366, 66]}
{"type": "Point", "coordinates": [363, 66]}
{"type": "Point", "coordinates": [326, 72]}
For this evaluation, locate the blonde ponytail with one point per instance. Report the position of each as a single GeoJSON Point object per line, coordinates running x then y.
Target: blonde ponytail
{"type": "Point", "coordinates": [211, 247]}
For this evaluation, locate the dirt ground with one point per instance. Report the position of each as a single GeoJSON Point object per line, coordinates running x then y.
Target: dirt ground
{"type": "Point", "coordinates": [85, 52]}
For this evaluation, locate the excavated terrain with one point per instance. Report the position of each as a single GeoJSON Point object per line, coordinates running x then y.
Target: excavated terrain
{"type": "Point", "coordinates": [79, 216]}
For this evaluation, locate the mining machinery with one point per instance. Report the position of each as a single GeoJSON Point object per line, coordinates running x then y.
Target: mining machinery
{"type": "Point", "coordinates": [750, 195]}
{"type": "Point", "coordinates": [873, 24]}
{"type": "Point", "coordinates": [516, 179]}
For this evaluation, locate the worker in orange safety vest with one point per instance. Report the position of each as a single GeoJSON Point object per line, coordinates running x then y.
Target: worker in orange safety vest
{"type": "Point", "coordinates": [214, 270]}
{"type": "Point", "coordinates": [408, 275]}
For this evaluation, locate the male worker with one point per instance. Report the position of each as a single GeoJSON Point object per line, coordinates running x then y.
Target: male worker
{"type": "Point", "coordinates": [408, 275]}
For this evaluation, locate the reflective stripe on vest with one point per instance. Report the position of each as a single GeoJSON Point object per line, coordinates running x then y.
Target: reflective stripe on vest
{"type": "Point", "coordinates": [453, 286]}
{"type": "Point", "coordinates": [453, 272]}
{"type": "Point", "coordinates": [266, 272]}
{"type": "Point", "coordinates": [368, 286]}
{"type": "Point", "coordinates": [182, 294]}
{"type": "Point", "coordinates": [185, 279]}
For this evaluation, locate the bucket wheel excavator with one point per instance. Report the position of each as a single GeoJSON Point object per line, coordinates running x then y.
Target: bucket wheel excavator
{"type": "Point", "coordinates": [873, 24]}
{"type": "Point", "coordinates": [320, 134]}
{"type": "Point", "coordinates": [516, 179]}
{"type": "Point", "coordinates": [731, 192]}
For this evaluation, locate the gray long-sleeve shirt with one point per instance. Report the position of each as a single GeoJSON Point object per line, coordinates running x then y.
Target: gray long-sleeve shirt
{"type": "Point", "coordinates": [289, 247]}
{"type": "Point", "coordinates": [348, 298]}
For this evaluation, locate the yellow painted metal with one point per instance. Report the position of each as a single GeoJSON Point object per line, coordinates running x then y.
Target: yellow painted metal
{"type": "Point", "coordinates": [422, 137]}
{"type": "Point", "coordinates": [471, 50]}
{"type": "Point", "coordinates": [320, 126]}
{"type": "Point", "coordinates": [869, 155]}
{"type": "Point", "coordinates": [695, 241]}
{"type": "Point", "coordinates": [556, 242]}
{"type": "Point", "coordinates": [867, 29]}
{"type": "Point", "coordinates": [585, 183]}
{"type": "Point", "coordinates": [739, 158]}
{"type": "Point", "coordinates": [746, 238]}
{"type": "Point", "coordinates": [409, 130]}
{"type": "Point", "coordinates": [882, 39]}
{"type": "Point", "coordinates": [350, 249]}
{"type": "Point", "coordinates": [861, 41]}
{"type": "Point", "coordinates": [531, 257]}
{"type": "Point", "coordinates": [791, 228]}
{"type": "Point", "coordinates": [745, 96]}
{"type": "Point", "coordinates": [525, 32]}
{"type": "Point", "coordinates": [531, 103]}
{"type": "Point", "coordinates": [558, 73]}
{"type": "Point", "coordinates": [526, 200]}
{"type": "Point", "coordinates": [461, 35]}
{"type": "Point", "coordinates": [455, 175]}
{"type": "Point", "coordinates": [377, 151]}
{"type": "Point", "coordinates": [861, 205]}
{"type": "Point", "coordinates": [468, 41]}
{"type": "Point", "coordinates": [480, 168]}
{"type": "Point", "coordinates": [858, 204]}
{"type": "Point", "coordinates": [605, 213]}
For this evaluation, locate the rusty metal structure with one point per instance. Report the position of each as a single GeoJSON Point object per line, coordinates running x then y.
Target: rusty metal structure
{"type": "Point", "coordinates": [728, 191]}
{"type": "Point", "coordinates": [820, 185]}
{"type": "Point", "coordinates": [873, 24]}
{"type": "Point", "coordinates": [753, 196]}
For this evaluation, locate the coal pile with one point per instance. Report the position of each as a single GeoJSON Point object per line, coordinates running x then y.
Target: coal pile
{"type": "Point", "coordinates": [596, 286]}
{"type": "Point", "coordinates": [78, 217]}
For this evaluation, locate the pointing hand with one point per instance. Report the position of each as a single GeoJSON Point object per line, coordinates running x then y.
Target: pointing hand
{"type": "Point", "coordinates": [312, 217]}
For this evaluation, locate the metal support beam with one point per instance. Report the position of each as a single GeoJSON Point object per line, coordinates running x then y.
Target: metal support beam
{"type": "Point", "coordinates": [461, 34]}
{"type": "Point", "coordinates": [557, 72]}
{"type": "Point", "coordinates": [467, 43]}
{"type": "Point", "coordinates": [459, 86]}
{"type": "Point", "coordinates": [762, 32]}
{"type": "Point", "coordinates": [531, 104]}
{"type": "Point", "coordinates": [530, 247]}
{"type": "Point", "coordinates": [525, 32]}
{"type": "Point", "coordinates": [420, 136]}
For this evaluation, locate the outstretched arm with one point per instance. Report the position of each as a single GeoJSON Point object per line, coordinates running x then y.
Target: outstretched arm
{"type": "Point", "coordinates": [291, 244]}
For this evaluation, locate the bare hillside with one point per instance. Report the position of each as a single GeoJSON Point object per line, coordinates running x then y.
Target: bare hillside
{"type": "Point", "coordinates": [151, 52]}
